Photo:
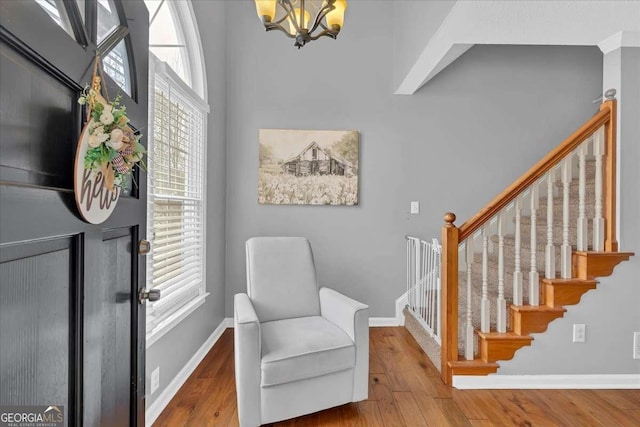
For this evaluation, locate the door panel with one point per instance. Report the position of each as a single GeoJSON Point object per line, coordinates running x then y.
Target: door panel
{"type": "Point", "coordinates": [33, 105]}
{"type": "Point", "coordinates": [117, 294]}
{"type": "Point", "coordinates": [99, 328]}
{"type": "Point", "coordinates": [37, 327]}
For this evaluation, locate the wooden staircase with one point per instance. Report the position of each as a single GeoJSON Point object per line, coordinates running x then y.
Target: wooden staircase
{"type": "Point", "coordinates": [524, 320]}
{"type": "Point", "coordinates": [554, 293]}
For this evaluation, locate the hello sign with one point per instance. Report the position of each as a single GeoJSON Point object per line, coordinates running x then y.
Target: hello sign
{"type": "Point", "coordinates": [95, 201]}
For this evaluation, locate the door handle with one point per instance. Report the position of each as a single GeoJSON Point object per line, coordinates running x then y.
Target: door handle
{"type": "Point", "coordinates": [144, 247]}
{"type": "Point", "coordinates": [150, 294]}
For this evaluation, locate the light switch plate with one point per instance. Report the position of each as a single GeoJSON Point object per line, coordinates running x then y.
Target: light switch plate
{"type": "Point", "coordinates": [579, 332]}
{"type": "Point", "coordinates": [415, 208]}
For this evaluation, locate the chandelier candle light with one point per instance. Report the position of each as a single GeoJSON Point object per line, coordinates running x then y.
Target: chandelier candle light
{"type": "Point", "coordinates": [329, 17]}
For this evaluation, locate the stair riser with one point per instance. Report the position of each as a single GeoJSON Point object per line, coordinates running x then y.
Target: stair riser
{"type": "Point", "coordinates": [492, 351]}
{"type": "Point", "coordinates": [559, 295]}
{"type": "Point", "coordinates": [525, 323]}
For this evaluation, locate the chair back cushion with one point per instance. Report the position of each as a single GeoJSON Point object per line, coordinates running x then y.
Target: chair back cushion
{"type": "Point", "coordinates": [281, 278]}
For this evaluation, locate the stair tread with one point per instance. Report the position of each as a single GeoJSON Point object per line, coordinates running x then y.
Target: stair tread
{"type": "Point", "coordinates": [537, 308]}
{"type": "Point", "coordinates": [573, 280]}
{"type": "Point", "coordinates": [503, 336]}
{"type": "Point", "coordinates": [475, 362]}
{"type": "Point", "coordinates": [605, 254]}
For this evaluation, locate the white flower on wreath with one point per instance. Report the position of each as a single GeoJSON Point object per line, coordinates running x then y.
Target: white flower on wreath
{"type": "Point", "coordinates": [116, 139]}
{"type": "Point", "coordinates": [97, 137]}
{"type": "Point", "coordinates": [115, 143]}
{"type": "Point", "coordinates": [106, 118]}
{"type": "Point", "coordinates": [95, 140]}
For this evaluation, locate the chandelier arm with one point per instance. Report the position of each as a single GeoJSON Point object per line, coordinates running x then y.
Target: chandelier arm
{"type": "Point", "coordinates": [290, 13]}
{"type": "Point", "coordinates": [274, 26]}
{"type": "Point", "coordinates": [327, 33]}
{"type": "Point", "coordinates": [281, 20]}
{"type": "Point", "coordinates": [324, 11]}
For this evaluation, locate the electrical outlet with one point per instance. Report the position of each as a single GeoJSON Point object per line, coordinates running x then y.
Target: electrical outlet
{"type": "Point", "coordinates": [636, 345]}
{"type": "Point", "coordinates": [155, 379]}
{"type": "Point", "coordinates": [415, 208]}
{"type": "Point", "coordinates": [579, 332]}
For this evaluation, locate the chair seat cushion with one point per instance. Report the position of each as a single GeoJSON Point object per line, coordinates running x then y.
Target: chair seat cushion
{"type": "Point", "coordinates": [303, 347]}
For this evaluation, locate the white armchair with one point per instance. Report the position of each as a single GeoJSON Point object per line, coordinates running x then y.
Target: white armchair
{"type": "Point", "coordinates": [298, 349]}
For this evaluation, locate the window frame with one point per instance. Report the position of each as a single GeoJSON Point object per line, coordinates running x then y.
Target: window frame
{"type": "Point", "coordinates": [197, 93]}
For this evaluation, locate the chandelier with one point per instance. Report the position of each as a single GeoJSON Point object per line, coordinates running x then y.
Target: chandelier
{"type": "Point", "coordinates": [293, 17]}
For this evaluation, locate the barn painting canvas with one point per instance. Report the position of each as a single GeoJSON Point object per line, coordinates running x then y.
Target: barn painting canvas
{"type": "Point", "coordinates": [308, 167]}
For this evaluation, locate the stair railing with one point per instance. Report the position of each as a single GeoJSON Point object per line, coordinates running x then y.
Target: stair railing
{"type": "Point", "coordinates": [423, 284]}
{"type": "Point", "coordinates": [595, 140]}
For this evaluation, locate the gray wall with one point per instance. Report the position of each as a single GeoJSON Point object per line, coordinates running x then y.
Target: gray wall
{"type": "Point", "coordinates": [453, 145]}
{"type": "Point", "coordinates": [175, 348]}
{"type": "Point", "coordinates": [612, 311]}
{"type": "Point", "coordinates": [414, 22]}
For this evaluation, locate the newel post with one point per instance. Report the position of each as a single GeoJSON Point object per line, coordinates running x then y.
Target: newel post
{"type": "Point", "coordinates": [449, 297]}
{"type": "Point", "coordinates": [611, 241]}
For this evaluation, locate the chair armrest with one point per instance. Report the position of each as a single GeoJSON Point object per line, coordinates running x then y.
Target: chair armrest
{"type": "Point", "coordinates": [352, 317]}
{"type": "Point", "coordinates": [341, 310]}
{"type": "Point", "coordinates": [247, 354]}
{"type": "Point", "coordinates": [244, 313]}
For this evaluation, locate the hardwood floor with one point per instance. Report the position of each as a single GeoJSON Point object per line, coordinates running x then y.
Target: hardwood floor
{"type": "Point", "coordinates": [405, 390]}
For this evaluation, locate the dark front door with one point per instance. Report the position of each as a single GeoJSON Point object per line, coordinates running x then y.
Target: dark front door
{"type": "Point", "coordinates": [71, 329]}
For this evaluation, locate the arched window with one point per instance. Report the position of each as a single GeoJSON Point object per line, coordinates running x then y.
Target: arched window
{"type": "Point", "coordinates": [177, 173]}
{"type": "Point", "coordinates": [174, 39]}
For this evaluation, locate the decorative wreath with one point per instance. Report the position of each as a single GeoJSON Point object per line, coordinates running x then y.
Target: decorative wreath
{"type": "Point", "coordinates": [114, 147]}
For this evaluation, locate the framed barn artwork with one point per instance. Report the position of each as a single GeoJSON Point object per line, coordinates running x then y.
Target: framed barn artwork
{"type": "Point", "coordinates": [308, 167]}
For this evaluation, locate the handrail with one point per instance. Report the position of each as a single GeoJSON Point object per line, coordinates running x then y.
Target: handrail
{"type": "Point", "coordinates": [537, 171]}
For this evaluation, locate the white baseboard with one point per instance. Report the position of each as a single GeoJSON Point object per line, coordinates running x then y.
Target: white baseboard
{"type": "Point", "coordinates": [375, 322]}
{"type": "Point", "coordinates": [400, 305]}
{"type": "Point", "coordinates": [156, 408]}
{"type": "Point", "coordinates": [623, 381]}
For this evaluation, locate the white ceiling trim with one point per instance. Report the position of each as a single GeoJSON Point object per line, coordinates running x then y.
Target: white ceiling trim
{"type": "Point", "coordinates": [524, 22]}
{"type": "Point", "coordinates": [621, 39]}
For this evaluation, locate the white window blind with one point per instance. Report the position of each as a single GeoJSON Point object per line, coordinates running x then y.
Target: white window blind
{"type": "Point", "coordinates": [176, 220]}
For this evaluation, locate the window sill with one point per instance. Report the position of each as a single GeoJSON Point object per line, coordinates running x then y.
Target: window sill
{"type": "Point", "coordinates": [174, 320]}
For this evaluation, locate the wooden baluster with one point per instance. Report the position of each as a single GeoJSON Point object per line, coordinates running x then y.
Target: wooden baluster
{"type": "Point", "coordinates": [468, 341]}
{"type": "Point", "coordinates": [565, 250]}
{"type": "Point", "coordinates": [598, 220]}
{"type": "Point", "coordinates": [534, 279]}
{"type": "Point", "coordinates": [485, 320]}
{"type": "Point", "coordinates": [550, 251]}
{"type": "Point", "coordinates": [449, 296]}
{"type": "Point", "coordinates": [582, 240]}
{"type": "Point", "coordinates": [517, 274]}
{"type": "Point", "coordinates": [501, 315]}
